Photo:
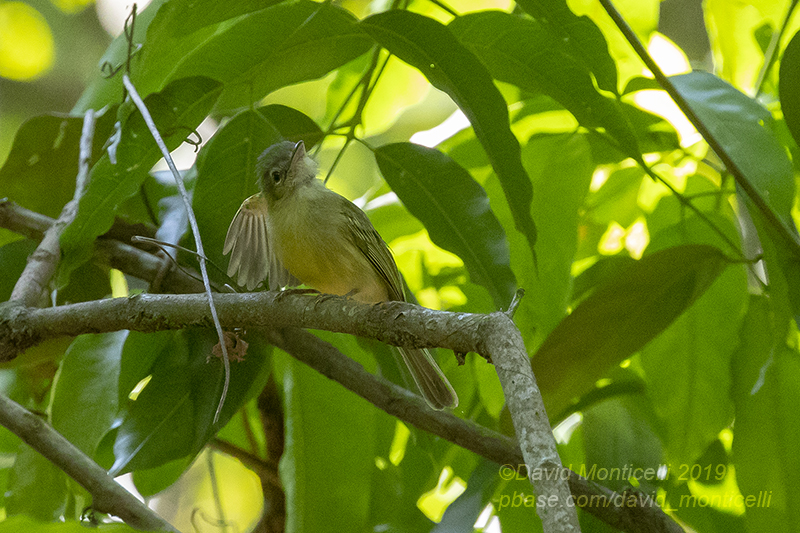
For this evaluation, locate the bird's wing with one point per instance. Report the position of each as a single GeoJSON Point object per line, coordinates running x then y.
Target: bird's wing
{"type": "Point", "coordinates": [248, 243]}
{"type": "Point", "coordinates": [374, 249]}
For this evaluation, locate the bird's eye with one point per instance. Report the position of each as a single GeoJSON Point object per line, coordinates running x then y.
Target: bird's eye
{"type": "Point", "coordinates": [276, 176]}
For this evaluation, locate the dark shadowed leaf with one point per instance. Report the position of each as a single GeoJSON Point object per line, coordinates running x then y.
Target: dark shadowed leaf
{"type": "Point", "coordinates": [177, 110]}
{"type": "Point", "coordinates": [173, 415]}
{"type": "Point", "coordinates": [621, 317]}
{"type": "Point", "coordinates": [454, 209]}
{"type": "Point", "coordinates": [449, 66]}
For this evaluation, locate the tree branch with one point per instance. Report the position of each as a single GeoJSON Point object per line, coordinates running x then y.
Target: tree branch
{"type": "Point", "coordinates": [108, 496]}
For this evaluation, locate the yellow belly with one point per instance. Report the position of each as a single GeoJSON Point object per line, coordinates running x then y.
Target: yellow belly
{"type": "Point", "coordinates": [322, 255]}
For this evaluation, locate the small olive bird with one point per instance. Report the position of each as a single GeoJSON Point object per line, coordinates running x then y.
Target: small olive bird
{"type": "Point", "coordinates": [297, 231]}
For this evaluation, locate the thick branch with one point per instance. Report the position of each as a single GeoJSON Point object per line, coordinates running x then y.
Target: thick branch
{"type": "Point", "coordinates": [107, 495]}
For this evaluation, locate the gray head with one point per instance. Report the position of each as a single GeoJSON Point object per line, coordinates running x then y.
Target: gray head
{"type": "Point", "coordinates": [283, 167]}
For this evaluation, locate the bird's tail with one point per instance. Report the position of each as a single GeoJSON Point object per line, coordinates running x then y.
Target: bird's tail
{"type": "Point", "coordinates": [429, 378]}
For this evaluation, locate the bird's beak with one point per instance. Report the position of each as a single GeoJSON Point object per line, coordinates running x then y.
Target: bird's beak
{"type": "Point", "coordinates": [298, 154]}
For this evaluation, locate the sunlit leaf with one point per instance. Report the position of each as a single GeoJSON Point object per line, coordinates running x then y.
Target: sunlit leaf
{"type": "Point", "coordinates": [454, 209]}
{"type": "Point", "coordinates": [741, 125]}
{"type": "Point", "coordinates": [620, 317]}
{"type": "Point", "coordinates": [581, 35]}
{"type": "Point", "coordinates": [254, 54]}
{"type": "Point", "coordinates": [450, 67]}
{"type": "Point", "coordinates": [531, 55]}
{"type": "Point", "coordinates": [686, 367]}
{"type": "Point", "coordinates": [319, 438]}
{"type": "Point", "coordinates": [36, 487]}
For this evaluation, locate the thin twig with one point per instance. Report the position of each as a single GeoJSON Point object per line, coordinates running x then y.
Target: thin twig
{"type": "Point", "coordinates": [195, 232]}
{"type": "Point", "coordinates": [43, 262]}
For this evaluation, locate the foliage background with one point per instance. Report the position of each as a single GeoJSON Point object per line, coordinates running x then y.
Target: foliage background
{"type": "Point", "coordinates": [709, 402]}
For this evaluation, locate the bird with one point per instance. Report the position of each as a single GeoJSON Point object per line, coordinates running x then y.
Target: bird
{"type": "Point", "coordinates": [296, 231]}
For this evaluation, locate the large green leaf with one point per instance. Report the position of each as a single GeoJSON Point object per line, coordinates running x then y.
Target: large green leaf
{"type": "Point", "coordinates": [326, 472]}
{"type": "Point", "coordinates": [527, 53]}
{"type": "Point", "coordinates": [173, 415]}
{"type": "Point", "coordinates": [687, 367]}
{"type": "Point", "coordinates": [580, 35]}
{"type": "Point", "coordinates": [741, 125]}
{"type": "Point", "coordinates": [176, 110]}
{"type": "Point", "coordinates": [766, 444]}
{"type": "Point", "coordinates": [790, 86]}
{"type": "Point", "coordinates": [620, 317]}
{"type": "Point", "coordinates": [449, 66]}
{"type": "Point", "coordinates": [454, 209]}
{"type": "Point", "coordinates": [253, 54]}
{"type": "Point", "coordinates": [226, 166]}
{"type": "Point", "coordinates": [85, 396]}
{"type": "Point", "coordinates": [44, 157]}
{"type": "Point", "coordinates": [36, 488]}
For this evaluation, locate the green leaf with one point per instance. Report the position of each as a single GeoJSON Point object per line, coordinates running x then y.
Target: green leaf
{"type": "Point", "coordinates": [766, 445]}
{"type": "Point", "coordinates": [580, 35]}
{"type": "Point", "coordinates": [452, 68]}
{"type": "Point", "coordinates": [13, 258]}
{"type": "Point", "coordinates": [321, 416]}
{"type": "Point", "coordinates": [84, 403]}
{"type": "Point", "coordinates": [138, 355]}
{"type": "Point", "coordinates": [687, 367]}
{"type": "Point", "coordinates": [177, 110]}
{"type": "Point", "coordinates": [173, 415]}
{"type": "Point", "coordinates": [226, 166]}
{"type": "Point", "coordinates": [741, 125]}
{"type": "Point", "coordinates": [254, 54]}
{"type": "Point", "coordinates": [188, 16]}
{"type": "Point", "coordinates": [454, 209]}
{"type": "Point", "coordinates": [618, 434]}
{"type": "Point", "coordinates": [44, 157]}
{"type": "Point", "coordinates": [27, 524]}
{"type": "Point", "coordinates": [620, 317]}
{"type": "Point", "coordinates": [561, 169]}
{"type": "Point", "coordinates": [36, 488]}
{"type": "Point", "coordinates": [527, 53]}
{"type": "Point", "coordinates": [790, 86]}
